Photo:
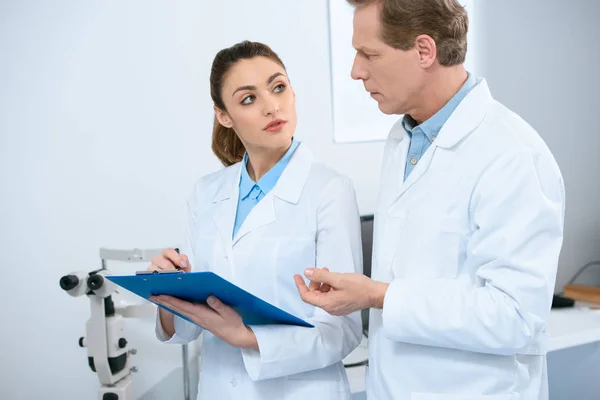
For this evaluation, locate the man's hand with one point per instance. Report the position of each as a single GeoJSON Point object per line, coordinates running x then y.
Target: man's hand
{"type": "Point", "coordinates": [340, 293]}
{"type": "Point", "coordinates": [218, 318]}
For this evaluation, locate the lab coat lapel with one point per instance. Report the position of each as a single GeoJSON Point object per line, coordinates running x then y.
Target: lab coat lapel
{"type": "Point", "coordinates": [288, 188]}
{"type": "Point", "coordinates": [467, 116]}
{"type": "Point", "coordinates": [261, 215]}
{"type": "Point", "coordinates": [464, 120]}
{"type": "Point", "coordinates": [225, 201]}
{"type": "Point", "coordinates": [419, 170]}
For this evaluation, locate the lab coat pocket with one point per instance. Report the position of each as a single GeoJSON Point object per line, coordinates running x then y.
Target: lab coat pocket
{"type": "Point", "coordinates": [207, 256]}
{"type": "Point", "coordinates": [327, 383]}
{"type": "Point", "coordinates": [387, 243]}
{"type": "Point", "coordinates": [293, 256]}
{"type": "Point", "coordinates": [306, 390]}
{"type": "Point", "coordinates": [430, 247]}
{"type": "Point", "coordinates": [436, 396]}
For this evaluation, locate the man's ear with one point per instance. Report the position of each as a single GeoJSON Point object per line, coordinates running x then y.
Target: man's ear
{"type": "Point", "coordinates": [223, 117]}
{"type": "Point", "coordinates": [427, 49]}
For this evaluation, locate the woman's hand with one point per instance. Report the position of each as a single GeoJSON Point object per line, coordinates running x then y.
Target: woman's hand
{"type": "Point", "coordinates": [221, 320]}
{"type": "Point", "coordinates": [170, 259]}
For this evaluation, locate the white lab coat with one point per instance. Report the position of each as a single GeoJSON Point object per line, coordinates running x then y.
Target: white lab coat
{"type": "Point", "coordinates": [310, 219]}
{"type": "Point", "coordinates": [470, 243]}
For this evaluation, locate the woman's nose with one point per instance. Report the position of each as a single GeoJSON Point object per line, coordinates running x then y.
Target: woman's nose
{"type": "Point", "coordinates": [271, 107]}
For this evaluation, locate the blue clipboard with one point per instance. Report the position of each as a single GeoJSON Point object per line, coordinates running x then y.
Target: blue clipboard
{"type": "Point", "coordinates": [195, 287]}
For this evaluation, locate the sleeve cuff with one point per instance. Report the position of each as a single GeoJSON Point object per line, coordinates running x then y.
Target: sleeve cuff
{"type": "Point", "coordinates": [393, 302]}
{"type": "Point", "coordinates": [252, 363]}
{"type": "Point", "coordinates": [253, 359]}
{"type": "Point", "coordinates": [160, 332]}
{"type": "Point", "coordinates": [185, 331]}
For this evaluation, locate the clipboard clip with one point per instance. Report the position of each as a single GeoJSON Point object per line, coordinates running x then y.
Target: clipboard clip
{"type": "Point", "coordinates": [177, 270]}
{"type": "Point", "coordinates": [165, 272]}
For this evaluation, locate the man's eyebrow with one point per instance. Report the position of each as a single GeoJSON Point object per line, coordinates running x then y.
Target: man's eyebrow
{"type": "Point", "coordinates": [363, 49]}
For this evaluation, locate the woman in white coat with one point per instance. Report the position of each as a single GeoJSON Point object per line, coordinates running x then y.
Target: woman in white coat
{"type": "Point", "coordinates": [268, 215]}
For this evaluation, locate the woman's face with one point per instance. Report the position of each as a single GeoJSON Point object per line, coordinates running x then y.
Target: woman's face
{"type": "Point", "coordinates": [261, 106]}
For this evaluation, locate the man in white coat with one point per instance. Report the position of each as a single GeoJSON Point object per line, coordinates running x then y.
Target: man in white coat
{"type": "Point", "coordinates": [468, 224]}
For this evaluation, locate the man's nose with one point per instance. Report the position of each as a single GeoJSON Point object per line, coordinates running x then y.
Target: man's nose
{"type": "Point", "coordinates": [358, 71]}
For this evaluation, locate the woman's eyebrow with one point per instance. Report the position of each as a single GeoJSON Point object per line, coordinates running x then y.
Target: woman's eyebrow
{"type": "Point", "coordinates": [252, 87]}
{"type": "Point", "coordinates": [248, 87]}
{"type": "Point", "coordinates": [272, 77]}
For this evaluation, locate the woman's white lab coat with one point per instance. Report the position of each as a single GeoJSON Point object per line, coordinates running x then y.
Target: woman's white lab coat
{"type": "Point", "coordinates": [310, 219]}
{"type": "Point", "coordinates": [470, 244]}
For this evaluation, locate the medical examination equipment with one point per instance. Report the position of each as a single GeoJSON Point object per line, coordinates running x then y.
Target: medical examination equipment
{"type": "Point", "coordinates": [107, 346]}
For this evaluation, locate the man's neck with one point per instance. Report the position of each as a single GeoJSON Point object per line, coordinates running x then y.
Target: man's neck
{"type": "Point", "coordinates": [443, 84]}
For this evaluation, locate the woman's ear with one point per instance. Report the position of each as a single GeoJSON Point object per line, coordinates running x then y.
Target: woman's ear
{"type": "Point", "coordinates": [223, 117]}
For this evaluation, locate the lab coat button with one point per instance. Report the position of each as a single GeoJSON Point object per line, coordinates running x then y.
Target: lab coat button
{"type": "Point", "coordinates": [233, 382]}
{"type": "Point", "coordinates": [413, 161]}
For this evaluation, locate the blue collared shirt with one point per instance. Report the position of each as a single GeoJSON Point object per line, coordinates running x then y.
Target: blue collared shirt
{"type": "Point", "coordinates": [252, 192]}
{"type": "Point", "coordinates": [421, 136]}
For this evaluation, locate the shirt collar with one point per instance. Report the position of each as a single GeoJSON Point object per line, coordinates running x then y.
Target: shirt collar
{"type": "Point", "coordinates": [268, 181]}
{"type": "Point", "coordinates": [433, 125]}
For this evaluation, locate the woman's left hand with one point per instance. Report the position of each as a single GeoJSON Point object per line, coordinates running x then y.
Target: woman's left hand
{"type": "Point", "coordinates": [221, 320]}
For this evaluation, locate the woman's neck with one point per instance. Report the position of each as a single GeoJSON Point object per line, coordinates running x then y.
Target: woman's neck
{"type": "Point", "coordinates": [261, 160]}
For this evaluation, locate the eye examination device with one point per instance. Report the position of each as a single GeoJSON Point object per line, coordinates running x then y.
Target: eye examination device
{"type": "Point", "coordinates": [108, 350]}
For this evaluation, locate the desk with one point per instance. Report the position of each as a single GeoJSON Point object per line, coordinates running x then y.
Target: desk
{"type": "Point", "coordinates": [570, 327]}
{"type": "Point", "coordinates": [567, 327]}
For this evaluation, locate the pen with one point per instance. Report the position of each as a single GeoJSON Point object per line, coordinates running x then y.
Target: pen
{"type": "Point", "coordinates": [177, 267]}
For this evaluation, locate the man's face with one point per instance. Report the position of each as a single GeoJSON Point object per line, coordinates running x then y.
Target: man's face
{"type": "Point", "coordinates": [393, 77]}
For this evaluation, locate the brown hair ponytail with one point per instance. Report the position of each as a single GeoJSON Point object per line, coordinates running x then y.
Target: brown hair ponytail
{"type": "Point", "coordinates": [226, 144]}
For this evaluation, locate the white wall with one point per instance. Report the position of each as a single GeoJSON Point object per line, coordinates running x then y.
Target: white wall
{"type": "Point", "coordinates": [541, 59]}
{"type": "Point", "coordinates": [105, 121]}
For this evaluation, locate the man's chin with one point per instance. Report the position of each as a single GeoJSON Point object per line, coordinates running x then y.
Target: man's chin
{"type": "Point", "coordinates": [385, 108]}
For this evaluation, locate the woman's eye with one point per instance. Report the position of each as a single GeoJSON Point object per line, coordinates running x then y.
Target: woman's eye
{"type": "Point", "coordinates": [248, 100]}
{"type": "Point", "coordinates": [279, 88]}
